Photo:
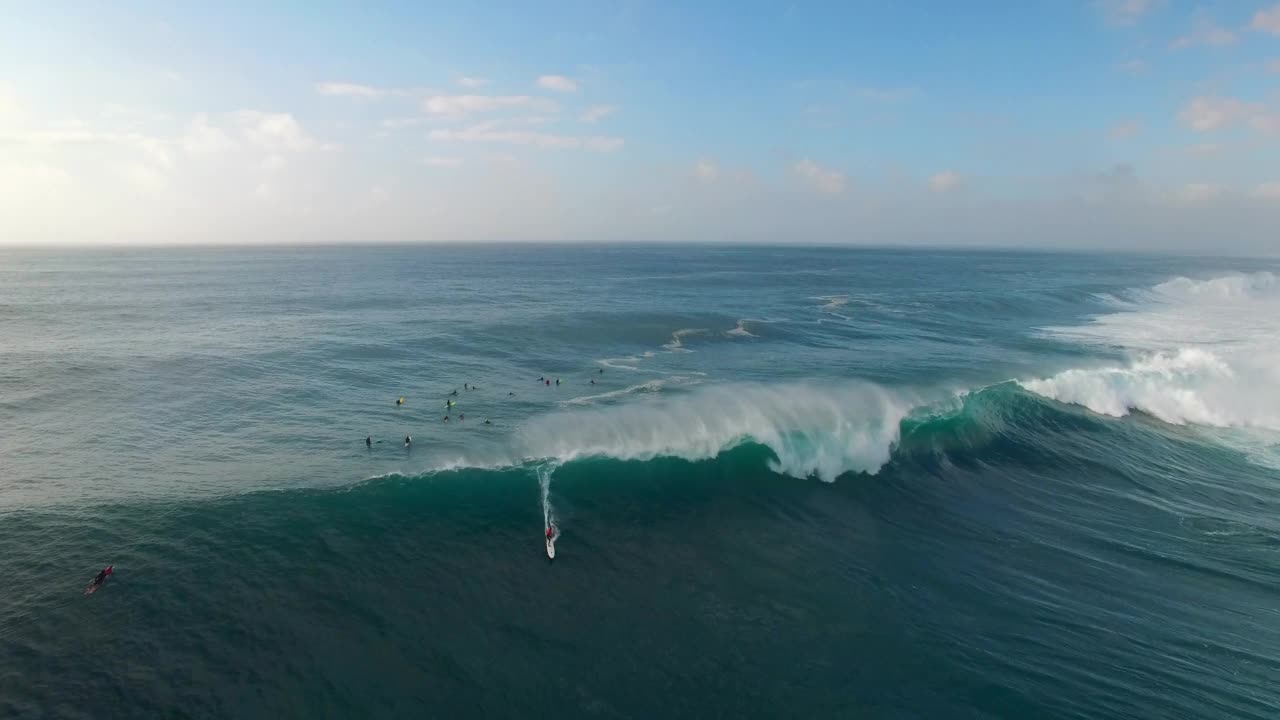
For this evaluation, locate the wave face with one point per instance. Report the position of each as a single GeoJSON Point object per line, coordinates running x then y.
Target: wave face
{"type": "Point", "coordinates": [1205, 352]}
{"type": "Point", "coordinates": [812, 431]}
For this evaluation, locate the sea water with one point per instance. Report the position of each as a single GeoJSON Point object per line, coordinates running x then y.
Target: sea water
{"type": "Point", "coordinates": [788, 483]}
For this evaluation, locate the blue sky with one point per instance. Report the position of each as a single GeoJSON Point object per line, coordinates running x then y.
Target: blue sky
{"type": "Point", "coordinates": [1146, 124]}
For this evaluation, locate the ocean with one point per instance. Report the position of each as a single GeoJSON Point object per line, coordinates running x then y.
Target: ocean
{"type": "Point", "coordinates": [845, 483]}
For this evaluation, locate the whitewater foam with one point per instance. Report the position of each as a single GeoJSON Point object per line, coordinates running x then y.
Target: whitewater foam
{"type": "Point", "coordinates": [677, 339]}
{"type": "Point", "coordinates": [740, 330]}
{"type": "Point", "coordinates": [1204, 352]}
{"type": "Point", "coordinates": [813, 431]}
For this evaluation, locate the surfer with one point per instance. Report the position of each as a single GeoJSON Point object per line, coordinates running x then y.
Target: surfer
{"type": "Point", "coordinates": [551, 533]}
{"type": "Point", "coordinates": [462, 416]}
{"type": "Point", "coordinates": [488, 422]}
{"type": "Point", "coordinates": [408, 440]}
{"type": "Point", "coordinates": [557, 382]}
{"type": "Point", "coordinates": [601, 371]}
{"type": "Point", "coordinates": [454, 393]}
{"type": "Point", "coordinates": [368, 441]}
{"type": "Point", "coordinates": [102, 576]}
{"type": "Point", "coordinates": [593, 382]}
{"type": "Point", "coordinates": [548, 383]}
{"type": "Point", "coordinates": [446, 418]}
{"type": "Point", "coordinates": [400, 401]}
{"type": "Point", "coordinates": [511, 394]}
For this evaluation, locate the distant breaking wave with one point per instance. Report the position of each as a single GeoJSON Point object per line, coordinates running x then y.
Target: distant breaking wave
{"type": "Point", "coordinates": [1204, 352]}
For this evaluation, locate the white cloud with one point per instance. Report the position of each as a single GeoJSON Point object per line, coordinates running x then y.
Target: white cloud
{"type": "Point", "coordinates": [343, 89]}
{"type": "Point", "coordinates": [275, 132]}
{"type": "Point", "coordinates": [472, 82]}
{"type": "Point", "coordinates": [1124, 130]}
{"type": "Point", "coordinates": [824, 180]}
{"type": "Point", "coordinates": [558, 83]}
{"type": "Point", "coordinates": [1267, 191]}
{"type": "Point", "coordinates": [886, 95]}
{"type": "Point", "coordinates": [1133, 67]}
{"type": "Point", "coordinates": [945, 181]}
{"type": "Point", "coordinates": [204, 138]}
{"type": "Point", "coordinates": [1193, 193]}
{"type": "Point", "coordinates": [1204, 149]}
{"type": "Point", "coordinates": [706, 170]}
{"type": "Point", "coordinates": [397, 123]}
{"type": "Point", "coordinates": [1267, 20]}
{"type": "Point", "coordinates": [1126, 12]}
{"type": "Point", "coordinates": [143, 176]}
{"type": "Point", "coordinates": [467, 104]}
{"type": "Point", "coordinates": [437, 161]}
{"type": "Point", "coordinates": [491, 133]}
{"type": "Point", "coordinates": [596, 113]}
{"type": "Point", "coordinates": [1209, 113]}
{"type": "Point", "coordinates": [1206, 33]}
{"type": "Point", "coordinates": [155, 150]}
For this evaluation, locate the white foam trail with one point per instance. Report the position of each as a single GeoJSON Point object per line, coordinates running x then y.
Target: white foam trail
{"type": "Point", "coordinates": [630, 362]}
{"type": "Point", "coordinates": [741, 330]}
{"type": "Point", "coordinates": [545, 472]}
{"type": "Point", "coordinates": [677, 339]}
{"type": "Point", "coordinates": [1205, 352]}
{"type": "Point", "coordinates": [652, 386]}
{"type": "Point", "coordinates": [813, 431]}
{"type": "Point", "coordinates": [832, 302]}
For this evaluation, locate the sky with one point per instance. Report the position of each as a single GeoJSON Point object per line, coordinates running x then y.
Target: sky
{"type": "Point", "coordinates": [1118, 124]}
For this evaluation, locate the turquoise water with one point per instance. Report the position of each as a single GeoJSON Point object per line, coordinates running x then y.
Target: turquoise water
{"type": "Point", "coordinates": [805, 483]}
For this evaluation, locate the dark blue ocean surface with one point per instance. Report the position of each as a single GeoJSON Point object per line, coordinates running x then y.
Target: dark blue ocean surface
{"type": "Point", "coordinates": [786, 483]}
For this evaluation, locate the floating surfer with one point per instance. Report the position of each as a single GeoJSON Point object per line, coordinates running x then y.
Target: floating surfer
{"type": "Point", "coordinates": [400, 401]}
{"type": "Point", "coordinates": [368, 441]}
{"type": "Point", "coordinates": [100, 579]}
{"type": "Point", "coordinates": [408, 440]}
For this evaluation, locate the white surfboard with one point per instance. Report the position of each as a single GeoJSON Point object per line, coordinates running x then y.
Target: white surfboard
{"type": "Point", "coordinates": [551, 548]}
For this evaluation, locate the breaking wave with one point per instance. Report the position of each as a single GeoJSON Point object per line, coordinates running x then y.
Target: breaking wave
{"type": "Point", "coordinates": [1204, 352]}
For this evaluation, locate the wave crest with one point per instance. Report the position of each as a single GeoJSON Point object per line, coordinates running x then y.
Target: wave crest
{"type": "Point", "coordinates": [823, 432]}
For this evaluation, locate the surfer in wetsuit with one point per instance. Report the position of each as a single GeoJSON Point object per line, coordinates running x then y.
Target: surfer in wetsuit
{"type": "Point", "coordinates": [486, 422]}
{"type": "Point", "coordinates": [102, 576]}
{"type": "Point", "coordinates": [368, 441]}
{"type": "Point", "coordinates": [408, 441]}
{"type": "Point", "coordinates": [551, 533]}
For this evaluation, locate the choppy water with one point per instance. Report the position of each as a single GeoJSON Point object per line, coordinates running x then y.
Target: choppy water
{"type": "Point", "coordinates": [808, 483]}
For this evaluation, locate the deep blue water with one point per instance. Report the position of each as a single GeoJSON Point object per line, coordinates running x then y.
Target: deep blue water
{"type": "Point", "coordinates": [787, 483]}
